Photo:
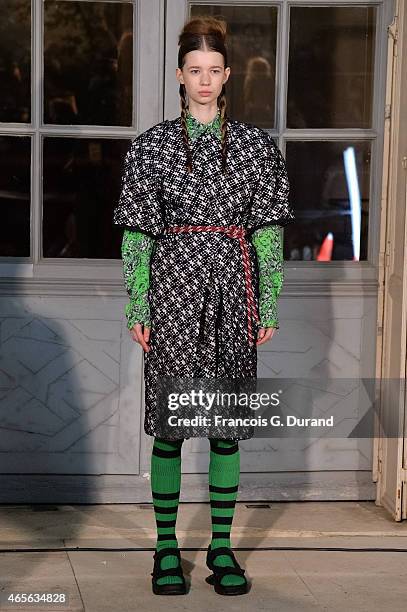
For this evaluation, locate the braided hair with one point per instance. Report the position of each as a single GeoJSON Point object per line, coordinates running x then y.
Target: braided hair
{"type": "Point", "coordinates": [203, 33]}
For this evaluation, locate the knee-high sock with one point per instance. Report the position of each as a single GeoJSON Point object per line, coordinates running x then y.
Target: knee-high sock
{"type": "Point", "coordinates": [165, 488]}
{"type": "Point", "coordinates": [224, 474]}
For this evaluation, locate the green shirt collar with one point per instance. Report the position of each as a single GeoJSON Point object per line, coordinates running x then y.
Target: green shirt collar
{"type": "Point", "coordinates": [196, 128]}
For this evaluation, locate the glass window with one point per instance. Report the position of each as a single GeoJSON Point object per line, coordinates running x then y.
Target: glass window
{"type": "Point", "coordinates": [330, 188]}
{"type": "Point", "coordinates": [15, 166]}
{"type": "Point", "coordinates": [81, 187]}
{"type": "Point", "coordinates": [88, 50]}
{"type": "Point", "coordinates": [88, 63]}
{"type": "Point", "coordinates": [15, 61]}
{"type": "Point", "coordinates": [252, 32]}
{"type": "Point", "coordinates": [330, 68]}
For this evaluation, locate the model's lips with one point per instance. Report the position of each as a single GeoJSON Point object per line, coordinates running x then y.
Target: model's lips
{"type": "Point", "coordinates": [204, 92]}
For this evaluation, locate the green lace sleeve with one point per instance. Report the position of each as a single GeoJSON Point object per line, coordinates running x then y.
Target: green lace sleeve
{"type": "Point", "coordinates": [136, 250]}
{"type": "Point", "coordinates": [269, 249]}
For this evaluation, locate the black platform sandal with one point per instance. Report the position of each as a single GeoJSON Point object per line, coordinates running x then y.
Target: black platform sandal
{"type": "Point", "coordinates": [219, 572]}
{"type": "Point", "coordinates": [167, 589]}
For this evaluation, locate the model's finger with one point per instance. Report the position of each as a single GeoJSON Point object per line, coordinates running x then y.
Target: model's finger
{"type": "Point", "coordinates": [146, 334]}
{"type": "Point", "coordinates": [133, 332]}
{"type": "Point", "coordinates": [141, 340]}
{"type": "Point", "coordinates": [268, 334]}
{"type": "Point", "coordinates": [137, 335]}
{"type": "Point", "coordinates": [260, 335]}
{"type": "Point", "coordinates": [261, 332]}
{"type": "Point", "coordinates": [272, 331]}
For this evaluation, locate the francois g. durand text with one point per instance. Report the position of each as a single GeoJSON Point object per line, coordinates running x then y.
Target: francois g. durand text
{"type": "Point", "coordinates": [289, 420]}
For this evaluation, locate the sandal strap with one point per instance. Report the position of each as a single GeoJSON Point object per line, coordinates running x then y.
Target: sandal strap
{"type": "Point", "coordinates": [221, 571]}
{"type": "Point", "coordinates": [171, 571]}
{"type": "Point", "coordinates": [163, 552]}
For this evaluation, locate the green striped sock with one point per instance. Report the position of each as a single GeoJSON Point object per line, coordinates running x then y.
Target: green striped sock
{"type": "Point", "coordinates": [224, 473]}
{"type": "Point", "coordinates": [165, 489]}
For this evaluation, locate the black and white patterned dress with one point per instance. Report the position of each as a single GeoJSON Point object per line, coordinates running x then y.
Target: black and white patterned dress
{"type": "Point", "coordinates": [198, 294]}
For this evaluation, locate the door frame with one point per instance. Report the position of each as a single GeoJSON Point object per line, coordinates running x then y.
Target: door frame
{"type": "Point", "coordinates": [390, 452]}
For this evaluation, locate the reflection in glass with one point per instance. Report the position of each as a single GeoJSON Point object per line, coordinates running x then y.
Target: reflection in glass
{"type": "Point", "coordinates": [251, 45]}
{"type": "Point", "coordinates": [88, 63]}
{"type": "Point", "coordinates": [82, 179]}
{"type": "Point", "coordinates": [15, 61]}
{"type": "Point", "coordinates": [331, 64]}
{"type": "Point", "coordinates": [330, 188]}
{"type": "Point", "coordinates": [15, 165]}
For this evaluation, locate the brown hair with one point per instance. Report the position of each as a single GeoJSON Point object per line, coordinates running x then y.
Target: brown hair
{"type": "Point", "coordinates": [203, 33]}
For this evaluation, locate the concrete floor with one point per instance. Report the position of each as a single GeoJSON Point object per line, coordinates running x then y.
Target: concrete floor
{"type": "Point", "coordinates": [36, 557]}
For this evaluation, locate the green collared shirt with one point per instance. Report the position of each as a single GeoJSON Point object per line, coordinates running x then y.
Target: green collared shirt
{"type": "Point", "coordinates": [196, 128]}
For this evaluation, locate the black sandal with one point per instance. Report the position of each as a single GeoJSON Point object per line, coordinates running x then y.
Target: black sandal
{"type": "Point", "coordinates": [167, 589]}
{"type": "Point", "coordinates": [219, 572]}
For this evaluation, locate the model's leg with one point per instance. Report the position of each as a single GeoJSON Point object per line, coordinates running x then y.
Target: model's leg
{"type": "Point", "coordinates": [165, 489]}
{"type": "Point", "coordinates": [224, 473]}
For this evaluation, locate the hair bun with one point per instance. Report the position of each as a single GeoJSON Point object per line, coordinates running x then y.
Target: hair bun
{"type": "Point", "coordinates": [205, 25]}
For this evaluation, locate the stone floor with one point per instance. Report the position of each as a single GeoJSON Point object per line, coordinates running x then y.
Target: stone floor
{"type": "Point", "coordinates": [100, 556]}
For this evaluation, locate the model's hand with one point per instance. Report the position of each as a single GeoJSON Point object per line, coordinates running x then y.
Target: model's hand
{"type": "Point", "coordinates": [265, 334]}
{"type": "Point", "coordinates": [140, 336]}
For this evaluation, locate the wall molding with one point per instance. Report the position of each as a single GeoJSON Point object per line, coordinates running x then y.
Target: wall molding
{"type": "Point", "coordinates": [118, 488]}
{"type": "Point", "coordinates": [306, 288]}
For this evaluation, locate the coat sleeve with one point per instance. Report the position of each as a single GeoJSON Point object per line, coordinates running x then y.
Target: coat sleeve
{"type": "Point", "coordinates": [139, 207]}
{"type": "Point", "coordinates": [137, 249]}
{"type": "Point", "coordinates": [270, 204]}
{"type": "Point", "coordinates": [269, 250]}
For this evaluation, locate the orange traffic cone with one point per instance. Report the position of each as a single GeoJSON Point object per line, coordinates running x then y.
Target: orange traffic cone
{"type": "Point", "coordinates": [325, 252]}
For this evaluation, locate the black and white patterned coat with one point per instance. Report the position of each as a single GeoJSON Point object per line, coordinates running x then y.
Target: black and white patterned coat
{"type": "Point", "coordinates": [197, 290]}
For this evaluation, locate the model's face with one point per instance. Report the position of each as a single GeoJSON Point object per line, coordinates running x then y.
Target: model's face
{"type": "Point", "coordinates": [203, 72]}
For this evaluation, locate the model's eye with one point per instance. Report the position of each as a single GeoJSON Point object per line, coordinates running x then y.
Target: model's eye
{"type": "Point", "coordinates": [195, 70]}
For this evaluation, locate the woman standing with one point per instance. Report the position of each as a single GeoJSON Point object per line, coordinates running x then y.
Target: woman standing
{"type": "Point", "coordinates": [201, 203]}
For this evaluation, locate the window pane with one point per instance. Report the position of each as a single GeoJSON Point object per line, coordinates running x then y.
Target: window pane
{"type": "Point", "coordinates": [330, 188]}
{"type": "Point", "coordinates": [88, 63]}
{"type": "Point", "coordinates": [15, 156]}
{"type": "Point", "coordinates": [82, 178]}
{"type": "Point", "coordinates": [331, 62]}
{"type": "Point", "coordinates": [15, 61]}
{"type": "Point", "coordinates": [252, 35]}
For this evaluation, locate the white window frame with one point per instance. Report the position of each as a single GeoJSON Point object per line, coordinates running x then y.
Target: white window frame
{"type": "Point", "coordinates": [84, 276]}
{"type": "Point", "coordinates": [335, 278]}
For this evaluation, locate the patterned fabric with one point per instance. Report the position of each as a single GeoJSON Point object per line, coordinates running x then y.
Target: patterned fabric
{"type": "Point", "coordinates": [197, 285]}
{"type": "Point", "coordinates": [267, 242]}
{"type": "Point", "coordinates": [196, 128]}
{"type": "Point", "coordinates": [137, 249]}
{"type": "Point", "coordinates": [269, 249]}
{"type": "Point", "coordinates": [236, 233]}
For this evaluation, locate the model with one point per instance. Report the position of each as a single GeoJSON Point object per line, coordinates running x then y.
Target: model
{"type": "Point", "coordinates": [202, 201]}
